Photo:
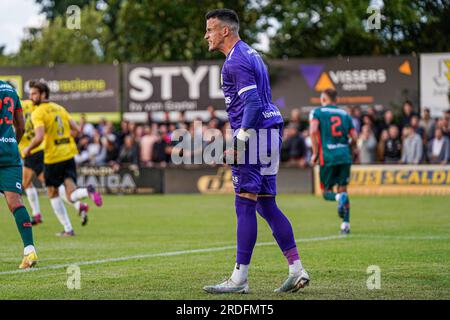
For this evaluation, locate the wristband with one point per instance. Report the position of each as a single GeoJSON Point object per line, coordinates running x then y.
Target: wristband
{"type": "Point", "coordinates": [242, 135]}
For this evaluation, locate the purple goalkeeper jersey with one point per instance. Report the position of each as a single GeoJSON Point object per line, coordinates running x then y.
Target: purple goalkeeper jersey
{"type": "Point", "coordinates": [242, 71]}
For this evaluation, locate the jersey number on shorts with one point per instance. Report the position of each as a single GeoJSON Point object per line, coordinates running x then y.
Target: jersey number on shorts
{"type": "Point", "coordinates": [10, 109]}
{"type": "Point", "coordinates": [336, 122]}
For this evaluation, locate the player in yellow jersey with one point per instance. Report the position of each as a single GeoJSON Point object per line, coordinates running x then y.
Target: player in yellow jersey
{"type": "Point", "coordinates": [33, 165]}
{"type": "Point", "coordinates": [54, 126]}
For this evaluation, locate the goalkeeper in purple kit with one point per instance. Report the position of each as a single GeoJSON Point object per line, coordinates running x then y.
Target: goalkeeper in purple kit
{"type": "Point", "coordinates": [245, 83]}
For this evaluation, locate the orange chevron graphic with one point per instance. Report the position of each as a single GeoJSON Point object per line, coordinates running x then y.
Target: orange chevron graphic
{"type": "Point", "coordinates": [405, 68]}
{"type": "Point", "coordinates": [324, 83]}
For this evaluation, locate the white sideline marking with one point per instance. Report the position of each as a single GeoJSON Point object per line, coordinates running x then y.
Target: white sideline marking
{"type": "Point", "coordinates": [381, 237]}
{"type": "Point", "coordinates": [162, 254]}
{"type": "Point", "coordinates": [224, 248]}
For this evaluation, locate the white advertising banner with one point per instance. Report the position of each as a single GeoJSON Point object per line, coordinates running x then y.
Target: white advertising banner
{"type": "Point", "coordinates": [435, 82]}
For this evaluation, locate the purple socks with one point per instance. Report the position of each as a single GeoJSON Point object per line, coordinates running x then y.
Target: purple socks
{"type": "Point", "coordinates": [291, 255]}
{"type": "Point", "coordinates": [280, 225]}
{"type": "Point", "coordinates": [247, 229]}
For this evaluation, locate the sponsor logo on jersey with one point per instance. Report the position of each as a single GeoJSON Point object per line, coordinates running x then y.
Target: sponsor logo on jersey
{"type": "Point", "coordinates": [270, 114]}
{"type": "Point", "coordinates": [332, 146]}
{"type": "Point", "coordinates": [8, 140]}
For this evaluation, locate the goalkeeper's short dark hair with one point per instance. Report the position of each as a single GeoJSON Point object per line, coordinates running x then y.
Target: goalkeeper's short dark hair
{"type": "Point", "coordinates": [228, 16]}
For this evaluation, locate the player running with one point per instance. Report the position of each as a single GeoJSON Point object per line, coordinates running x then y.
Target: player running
{"type": "Point", "coordinates": [248, 99]}
{"type": "Point", "coordinates": [33, 165]}
{"type": "Point", "coordinates": [330, 130]}
{"type": "Point", "coordinates": [11, 168]}
{"type": "Point", "coordinates": [53, 125]}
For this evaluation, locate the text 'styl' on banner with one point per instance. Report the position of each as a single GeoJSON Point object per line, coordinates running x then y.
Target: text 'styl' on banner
{"type": "Point", "coordinates": [173, 86]}
{"type": "Point", "coordinates": [79, 88]}
{"type": "Point", "coordinates": [365, 81]}
{"type": "Point", "coordinates": [394, 180]}
{"type": "Point", "coordinates": [435, 82]}
{"type": "Point", "coordinates": [296, 83]}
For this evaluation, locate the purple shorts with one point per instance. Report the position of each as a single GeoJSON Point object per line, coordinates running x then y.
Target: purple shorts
{"type": "Point", "coordinates": [261, 177]}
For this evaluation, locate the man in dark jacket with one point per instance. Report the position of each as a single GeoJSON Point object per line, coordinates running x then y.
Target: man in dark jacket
{"type": "Point", "coordinates": [393, 146]}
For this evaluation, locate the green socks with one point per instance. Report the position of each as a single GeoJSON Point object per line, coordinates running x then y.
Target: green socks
{"type": "Point", "coordinates": [329, 196]}
{"type": "Point", "coordinates": [24, 225]}
{"type": "Point", "coordinates": [343, 208]}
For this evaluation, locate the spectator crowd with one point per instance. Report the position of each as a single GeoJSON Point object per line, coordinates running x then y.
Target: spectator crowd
{"type": "Point", "coordinates": [408, 138]}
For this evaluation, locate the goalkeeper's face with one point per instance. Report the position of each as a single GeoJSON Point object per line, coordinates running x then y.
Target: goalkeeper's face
{"type": "Point", "coordinates": [214, 34]}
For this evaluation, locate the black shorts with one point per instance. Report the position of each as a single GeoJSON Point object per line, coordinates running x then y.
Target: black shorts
{"type": "Point", "coordinates": [56, 173]}
{"type": "Point", "coordinates": [35, 162]}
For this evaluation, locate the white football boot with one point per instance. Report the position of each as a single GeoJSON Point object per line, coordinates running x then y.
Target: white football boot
{"type": "Point", "coordinates": [228, 286]}
{"type": "Point", "coordinates": [345, 228]}
{"type": "Point", "coordinates": [295, 282]}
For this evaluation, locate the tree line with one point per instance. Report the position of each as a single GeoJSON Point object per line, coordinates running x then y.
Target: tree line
{"type": "Point", "coordinates": [172, 30]}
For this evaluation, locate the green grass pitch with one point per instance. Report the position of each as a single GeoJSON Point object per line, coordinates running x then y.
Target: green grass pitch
{"type": "Point", "coordinates": [139, 247]}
